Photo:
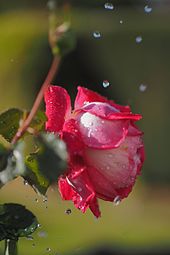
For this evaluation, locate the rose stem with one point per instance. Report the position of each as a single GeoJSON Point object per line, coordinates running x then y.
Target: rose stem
{"type": "Point", "coordinates": [52, 71]}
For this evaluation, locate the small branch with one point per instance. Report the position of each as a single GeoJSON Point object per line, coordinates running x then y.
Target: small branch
{"type": "Point", "coordinates": [48, 80]}
{"type": "Point", "coordinates": [10, 247]}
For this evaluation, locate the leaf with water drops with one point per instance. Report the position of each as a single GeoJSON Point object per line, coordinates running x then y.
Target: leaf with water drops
{"type": "Point", "coordinates": [9, 122]}
{"type": "Point", "coordinates": [46, 165]}
{"type": "Point", "coordinates": [11, 163]}
{"type": "Point", "coordinates": [16, 221]}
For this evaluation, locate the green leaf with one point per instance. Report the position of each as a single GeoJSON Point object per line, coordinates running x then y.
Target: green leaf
{"type": "Point", "coordinates": [9, 122]}
{"type": "Point", "coordinates": [16, 221]}
{"type": "Point", "coordinates": [45, 166]}
{"type": "Point", "coordinates": [38, 123]}
{"type": "Point", "coordinates": [66, 43]}
{"type": "Point", "coordinates": [11, 163]}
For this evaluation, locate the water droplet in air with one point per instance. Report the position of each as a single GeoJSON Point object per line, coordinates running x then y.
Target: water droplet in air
{"type": "Point", "coordinates": [147, 9]}
{"type": "Point", "coordinates": [139, 39]}
{"type": "Point", "coordinates": [48, 249]}
{"type": "Point", "coordinates": [96, 34]}
{"type": "Point", "coordinates": [109, 6]}
{"type": "Point", "coordinates": [68, 211]}
{"type": "Point", "coordinates": [42, 234]}
{"type": "Point", "coordinates": [106, 83]}
{"type": "Point", "coordinates": [30, 238]}
{"type": "Point", "coordinates": [142, 87]}
{"type": "Point", "coordinates": [117, 200]}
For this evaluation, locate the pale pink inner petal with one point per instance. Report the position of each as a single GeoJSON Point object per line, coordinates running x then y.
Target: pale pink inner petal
{"type": "Point", "coordinates": [118, 165]}
{"type": "Point", "coordinates": [99, 133]}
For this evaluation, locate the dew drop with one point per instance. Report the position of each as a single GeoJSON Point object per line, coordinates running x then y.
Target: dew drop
{"type": "Point", "coordinates": [121, 21]}
{"type": "Point", "coordinates": [106, 83]}
{"type": "Point", "coordinates": [48, 249]}
{"type": "Point", "coordinates": [25, 182]}
{"type": "Point", "coordinates": [68, 211]}
{"type": "Point", "coordinates": [147, 9]}
{"type": "Point", "coordinates": [142, 87]}
{"type": "Point", "coordinates": [117, 200]}
{"type": "Point", "coordinates": [139, 39]}
{"type": "Point", "coordinates": [36, 200]}
{"type": "Point", "coordinates": [39, 225]}
{"type": "Point", "coordinates": [108, 6]}
{"type": "Point", "coordinates": [96, 34]}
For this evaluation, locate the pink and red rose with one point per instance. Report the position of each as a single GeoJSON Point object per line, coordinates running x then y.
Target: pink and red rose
{"type": "Point", "coordinates": [106, 152]}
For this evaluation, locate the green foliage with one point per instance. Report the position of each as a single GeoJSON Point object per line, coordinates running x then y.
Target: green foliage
{"type": "Point", "coordinates": [16, 221]}
{"type": "Point", "coordinates": [11, 163]}
{"type": "Point", "coordinates": [45, 166]}
{"type": "Point", "coordinates": [38, 122]}
{"type": "Point", "coordinates": [9, 123]}
{"type": "Point", "coordinates": [66, 43]}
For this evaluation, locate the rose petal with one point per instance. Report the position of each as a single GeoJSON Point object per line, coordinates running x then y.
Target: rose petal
{"type": "Point", "coordinates": [77, 187]}
{"type": "Point", "coordinates": [58, 107]}
{"type": "Point", "coordinates": [85, 96]}
{"type": "Point", "coordinates": [109, 112]}
{"type": "Point", "coordinates": [99, 133]}
{"type": "Point", "coordinates": [118, 166]}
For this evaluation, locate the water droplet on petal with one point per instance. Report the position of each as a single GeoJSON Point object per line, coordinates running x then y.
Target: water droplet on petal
{"type": "Point", "coordinates": [68, 211]}
{"type": "Point", "coordinates": [142, 87]}
{"type": "Point", "coordinates": [117, 200]}
{"type": "Point", "coordinates": [147, 9]}
{"type": "Point", "coordinates": [96, 34]}
{"type": "Point", "coordinates": [139, 39]}
{"type": "Point", "coordinates": [106, 83]}
{"type": "Point", "coordinates": [108, 6]}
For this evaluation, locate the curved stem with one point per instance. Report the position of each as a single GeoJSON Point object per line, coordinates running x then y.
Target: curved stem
{"type": "Point", "coordinates": [10, 247]}
{"type": "Point", "coordinates": [48, 80]}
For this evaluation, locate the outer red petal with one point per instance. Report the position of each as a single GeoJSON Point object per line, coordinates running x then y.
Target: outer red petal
{"type": "Point", "coordinates": [77, 187]}
{"type": "Point", "coordinates": [107, 111]}
{"type": "Point", "coordinates": [58, 107]}
{"type": "Point", "coordinates": [85, 95]}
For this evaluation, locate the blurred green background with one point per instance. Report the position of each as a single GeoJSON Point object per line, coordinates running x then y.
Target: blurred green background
{"type": "Point", "coordinates": [143, 218]}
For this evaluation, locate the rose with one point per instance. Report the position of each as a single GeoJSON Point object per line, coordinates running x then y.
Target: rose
{"type": "Point", "coordinates": [105, 148]}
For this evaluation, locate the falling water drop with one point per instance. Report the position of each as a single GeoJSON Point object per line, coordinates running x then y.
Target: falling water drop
{"type": "Point", "coordinates": [68, 211]}
{"type": "Point", "coordinates": [48, 249]}
{"type": "Point", "coordinates": [106, 83]}
{"type": "Point", "coordinates": [117, 200]}
{"type": "Point", "coordinates": [142, 87]}
{"type": "Point", "coordinates": [147, 9]}
{"type": "Point", "coordinates": [108, 6]}
{"type": "Point", "coordinates": [139, 39]}
{"type": "Point", "coordinates": [96, 34]}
